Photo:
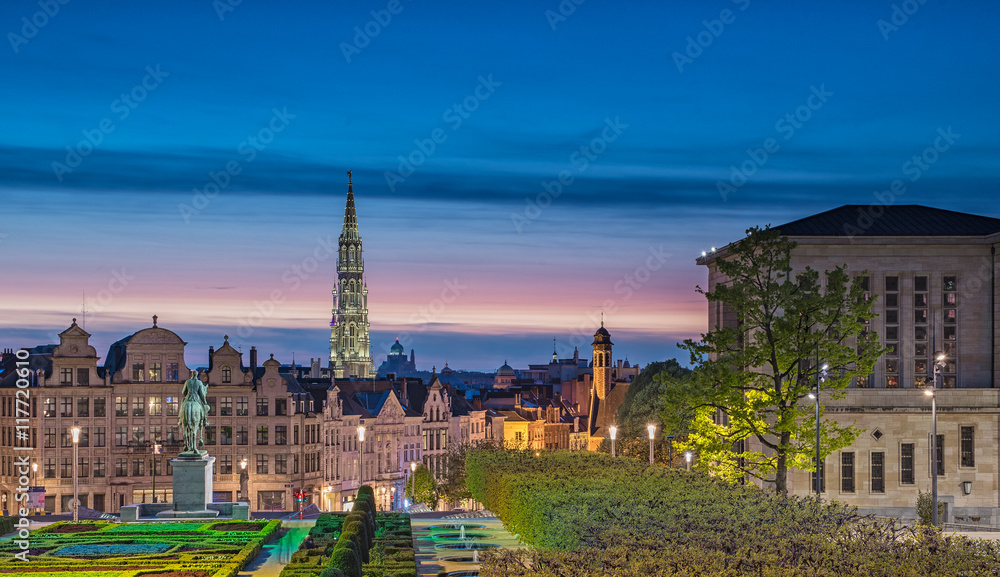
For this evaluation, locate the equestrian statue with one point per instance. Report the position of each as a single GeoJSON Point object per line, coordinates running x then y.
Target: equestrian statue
{"type": "Point", "coordinates": [193, 413]}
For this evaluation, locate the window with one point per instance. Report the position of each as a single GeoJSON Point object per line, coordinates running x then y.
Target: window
{"type": "Point", "coordinates": [82, 407]}
{"type": "Point", "coordinates": [227, 374]}
{"type": "Point", "coordinates": [261, 464]}
{"type": "Point", "coordinates": [210, 435]}
{"type": "Point", "coordinates": [262, 435]}
{"type": "Point", "coordinates": [173, 434]}
{"type": "Point", "coordinates": [295, 464]}
{"type": "Point", "coordinates": [280, 435]}
{"type": "Point", "coordinates": [49, 409]}
{"type": "Point", "coordinates": [242, 406]}
{"type": "Point", "coordinates": [66, 439]}
{"type": "Point", "coordinates": [84, 436]}
{"type": "Point", "coordinates": [155, 406]}
{"type": "Point", "coordinates": [99, 466]}
{"type": "Point", "coordinates": [878, 472]}
{"type": "Point", "coordinates": [968, 448]}
{"type": "Point", "coordinates": [50, 468]}
{"type": "Point", "coordinates": [940, 455]}
{"type": "Point", "coordinates": [66, 407]}
{"type": "Point", "coordinates": [242, 435]}
{"type": "Point", "coordinates": [226, 406]}
{"type": "Point", "coordinates": [172, 372]}
{"type": "Point", "coordinates": [138, 372]}
{"type": "Point", "coordinates": [138, 406]}
{"type": "Point", "coordinates": [173, 406]}
{"type": "Point", "coordinates": [139, 434]}
{"type": "Point", "coordinates": [66, 468]}
{"type": "Point", "coordinates": [121, 406]}
{"type": "Point", "coordinates": [121, 437]}
{"type": "Point", "coordinates": [261, 407]}
{"type": "Point", "coordinates": [50, 437]}
{"type": "Point", "coordinates": [281, 464]}
{"type": "Point", "coordinates": [154, 434]}
{"type": "Point", "coordinates": [226, 465]}
{"type": "Point", "coordinates": [83, 377]}
{"type": "Point", "coordinates": [138, 467]}
{"type": "Point", "coordinates": [892, 332]}
{"type": "Point", "coordinates": [295, 435]}
{"type": "Point", "coordinates": [227, 435]}
{"type": "Point", "coordinates": [155, 372]}
{"type": "Point", "coordinates": [950, 331]}
{"type": "Point", "coordinates": [100, 406]}
{"type": "Point", "coordinates": [812, 483]}
{"type": "Point", "coordinates": [121, 467]}
{"type": "Point", "coordinates": [99, 440]}
{"type": "Point", "coordinates": [84, 467]}
{"type": "Point", "coordinates": [847, 472]}
{"type": "Point", "coordinates": [66, 377]}
{"type": "Point", "coordinates": [281, 407]}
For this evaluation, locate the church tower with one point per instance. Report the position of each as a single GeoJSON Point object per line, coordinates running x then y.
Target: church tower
{"type": "Point", "coordinates": [350, 345]}
{"type": "Point", "coordinates": [602, 362]}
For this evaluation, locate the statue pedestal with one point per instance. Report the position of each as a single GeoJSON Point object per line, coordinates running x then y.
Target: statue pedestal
{"type": "Point", "coordinates": [192, 480]}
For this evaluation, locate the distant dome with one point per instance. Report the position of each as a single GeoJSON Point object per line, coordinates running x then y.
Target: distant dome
{"type": "Point", "coordinates": [506, 370]}
{"type": "Point", "coordinates": [602, 336]}
{"type": "Point", "coordinates": [396, 349]}
{"type": "Point", "coordinates": [446, 371]}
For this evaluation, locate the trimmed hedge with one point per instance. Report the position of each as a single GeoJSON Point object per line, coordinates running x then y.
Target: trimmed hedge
{"type": "Point", "coordinates": [7, 524]}
{"type": "Point", "coordinates": [590, 515]}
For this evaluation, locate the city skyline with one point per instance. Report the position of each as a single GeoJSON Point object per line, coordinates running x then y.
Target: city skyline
{"type": "Point", "coordinates": [659, 118]}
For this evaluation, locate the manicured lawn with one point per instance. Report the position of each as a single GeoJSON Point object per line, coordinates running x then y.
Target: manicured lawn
{"type": "Point", "coordinates": [105, 549]}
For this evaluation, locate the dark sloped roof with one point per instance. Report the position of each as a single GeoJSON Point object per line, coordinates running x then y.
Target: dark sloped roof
{"type": "Point", "coordinates": [896, 220]}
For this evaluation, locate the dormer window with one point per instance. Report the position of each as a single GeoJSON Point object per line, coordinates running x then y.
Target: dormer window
{"type": "Point", "coordinates": [227, 374]}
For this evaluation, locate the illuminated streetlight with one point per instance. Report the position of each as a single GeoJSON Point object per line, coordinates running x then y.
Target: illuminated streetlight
{"type": "Point", "coordinates": [820, 378]}
{"type": "Point", "coordinates": [361, 454]}
{"type": "Point", "coordinates": [939, 360]}
{"type": "Point", "coordinates": [687, 457]}
{"type": "Point", "coordinates": [244, 481]}
{"type": "Point", "coordinates": [652, 434]}
{"type": "Point", "coordinates": [413, 481]}
{"type": "Point", "coordinates": [76, 480]}
{"type": "Point", "coordinates": [614, 433]}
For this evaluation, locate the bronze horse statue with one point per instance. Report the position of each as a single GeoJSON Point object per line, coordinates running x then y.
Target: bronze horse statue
{"type": "Point", "coordinates": [193, 413]}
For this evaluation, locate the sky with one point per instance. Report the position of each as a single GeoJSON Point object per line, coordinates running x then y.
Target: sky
{"type": "Point", "coordinates": [519, 167]}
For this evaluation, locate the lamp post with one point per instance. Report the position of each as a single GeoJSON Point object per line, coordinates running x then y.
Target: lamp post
{"type": "Point", "coordinates": [413, 481]}
{"type": "Point", "coordinates": [76, 462]}
{"type": "Point", "coordinates": [652, 434]}
{"type": "Point", "coordinates": [687, 457]}
{"type": "Point", "coordinates": [820, 378]}
{"type": "Point", "coordinates": [34, 474]}
{"type": "Point", "coordinates": [614, 433]}
{"type": "Point", "coordinates": [361, 454]}
{"type": "Point", "coordinates": [244, 478]}
{"type": "Point", "coordinates": [938, 364]}
{"type": "Point", "coordinates": [156, 452]}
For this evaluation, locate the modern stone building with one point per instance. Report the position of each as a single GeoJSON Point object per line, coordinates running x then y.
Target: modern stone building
{"type": "Point", "coordinates": [934, 275]}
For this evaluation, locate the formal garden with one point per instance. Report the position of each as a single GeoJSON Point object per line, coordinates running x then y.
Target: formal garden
{"type": "Point", "coordinates": [362, 543]}
{"type": "Point", "coordinates": [589, 515]}
{"type": "Point", "coordinates": [107, 549]}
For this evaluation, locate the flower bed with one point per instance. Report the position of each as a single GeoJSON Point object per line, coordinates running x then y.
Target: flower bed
{"type": "Point", "coordinates": [105, 549]}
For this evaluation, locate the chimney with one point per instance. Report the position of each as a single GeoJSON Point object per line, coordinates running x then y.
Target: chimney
{"type": "Point", "coordinates": [211, 353]}
{"type": "Point", "coordinates": [253, 361]}
{"type": "Point", "coordinates": [405, 397]}
{"type": "Point", "coordinates": [477, 402]}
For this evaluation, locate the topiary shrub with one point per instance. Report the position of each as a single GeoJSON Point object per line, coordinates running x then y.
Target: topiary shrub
{"type": "Point", "coordinates": [354, 532]}
{"type": "Point", "coordinates": [346, 560]}
{"type": "Point", "coordinates": [331, 572]}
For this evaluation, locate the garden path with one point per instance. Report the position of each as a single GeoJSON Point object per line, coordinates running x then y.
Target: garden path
{"type": "Point", "coordinates": [273, 557]}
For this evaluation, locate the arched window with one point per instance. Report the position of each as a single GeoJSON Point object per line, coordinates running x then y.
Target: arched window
{"type": "Point", "coordinates": [227, 374]}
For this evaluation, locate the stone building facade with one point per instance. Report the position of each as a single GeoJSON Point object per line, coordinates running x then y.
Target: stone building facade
{"type": "Point", "coordinates": [934, 275]}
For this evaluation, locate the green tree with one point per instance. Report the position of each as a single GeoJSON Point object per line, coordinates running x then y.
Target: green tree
{"type": "Point", "coordinates": [641, 405]}
{"type": "Point", "coordinates": [422, 487]}
{"type": "Point", "coordinates": [751, 380]}
{"type": "Point", "coordinates": [452, 487]}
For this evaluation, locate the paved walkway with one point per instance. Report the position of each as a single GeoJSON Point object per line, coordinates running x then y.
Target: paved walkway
{"type": "Point", "coordinates": [273, 558]}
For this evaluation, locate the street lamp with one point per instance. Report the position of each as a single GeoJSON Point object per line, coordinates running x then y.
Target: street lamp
{"type": "Point", "coordinates": [687, 457]}
{"type": "Point", "coordinates": [361, 457]}
{"type": "Point", "coordinates": [76, 462]}
{"type": "Point", "coordinates": [938, 365]}
{"type": "Point", "coordinates": [34, 474]}
{"type": "Point", "coordinates": [156, 451]}
{"type": "Point", "coordinates": [244, 478]}
{"type": "Point", "coordinates": [413, 482]}
{"type": "Point", "coordinates": [614, 433]}
{"type": "Point", "coordinates": [820, 378]}
{"type": "Point", "coordinates": [652, 434]}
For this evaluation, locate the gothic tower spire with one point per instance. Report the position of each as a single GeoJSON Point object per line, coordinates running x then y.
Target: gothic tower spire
{"type": "Point", "coordinates": [350, 344]}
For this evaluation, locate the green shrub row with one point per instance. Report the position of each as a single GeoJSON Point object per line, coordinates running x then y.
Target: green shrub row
{"type": "Point", "coordinates": [7, 524]}
{"type": "Point", "coordinates": [588, 515]}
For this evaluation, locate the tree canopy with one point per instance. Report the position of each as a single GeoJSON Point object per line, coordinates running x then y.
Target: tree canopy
{"type": "Point", "coordinates": [745, 402]}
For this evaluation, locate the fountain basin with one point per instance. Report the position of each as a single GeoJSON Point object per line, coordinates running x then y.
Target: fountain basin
{"type": "Point", "coordinates": [456, 526]}
{"type": "Point", "coordinates": [460, 536]}
{"type": "Point", "coordinates": [468, 545]}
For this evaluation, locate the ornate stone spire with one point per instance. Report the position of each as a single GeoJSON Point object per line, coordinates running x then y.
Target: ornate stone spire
{"type": "Point", "coordinates": [350, 345]}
